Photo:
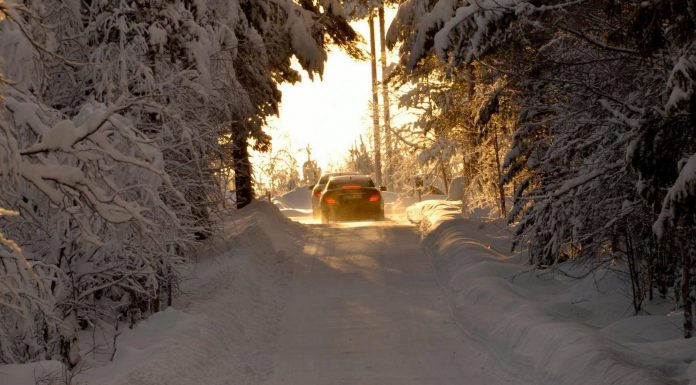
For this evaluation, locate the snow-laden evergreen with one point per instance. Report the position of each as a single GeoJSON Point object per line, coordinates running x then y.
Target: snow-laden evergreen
{"type": "Point", "coordinates": [602, 156]}
{"type": "Point", "coordinates": [118, 120]}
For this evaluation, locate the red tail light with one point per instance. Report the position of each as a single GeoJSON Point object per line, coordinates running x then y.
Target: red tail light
{"type": "Point", "coordinates": [373, 198]}
{"type": "Point", "coordinates": [317, 194]}
{"type": "Point", "coordinates": [329, 200]}
{"type": "Point", "coordinates": [350, 186]}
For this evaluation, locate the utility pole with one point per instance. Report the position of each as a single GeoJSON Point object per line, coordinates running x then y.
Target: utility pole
{"type": "Point", "coordinates": [375, 103]}
{"type": "Point", "coordinates": [385, 103]}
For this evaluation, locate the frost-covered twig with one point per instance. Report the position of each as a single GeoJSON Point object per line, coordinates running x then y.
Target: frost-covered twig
{"type": "Point", "coordinates": [598, 43]}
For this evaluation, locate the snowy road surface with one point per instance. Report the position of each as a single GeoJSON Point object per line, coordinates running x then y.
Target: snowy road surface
{"type": "Point", "coordinates": [275, 303]}
{"type": "Point", "coordinates": [365, 308]}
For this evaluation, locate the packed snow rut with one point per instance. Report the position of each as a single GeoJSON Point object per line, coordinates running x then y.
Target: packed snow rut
{"type": "Point", "coordinates": [365, 308]}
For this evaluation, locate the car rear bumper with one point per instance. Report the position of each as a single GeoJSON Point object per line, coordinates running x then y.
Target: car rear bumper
{"type": "Point", "coordinates": [373, 211]}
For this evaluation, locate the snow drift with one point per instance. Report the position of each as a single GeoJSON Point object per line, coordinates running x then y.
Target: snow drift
{"type": "Point", "coordinates": [295, 203]}
{"type": "Point", "coordinates": [221, 329]}
{"type": "Point", "coordinates": [545, 326]}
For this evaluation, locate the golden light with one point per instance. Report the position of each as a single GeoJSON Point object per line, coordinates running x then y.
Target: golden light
{"type": "Point", "coordinates": [330, 114]}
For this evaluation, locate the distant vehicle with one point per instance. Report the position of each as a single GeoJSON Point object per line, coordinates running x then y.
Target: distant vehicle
{"type": "Point", "coordinates": [318, 188]}
{"type": "Point", "coordinates": [351, 197]}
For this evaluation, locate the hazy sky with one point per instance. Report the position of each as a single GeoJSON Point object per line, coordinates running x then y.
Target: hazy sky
{"type": "Point", "coordinates": [329, 115]}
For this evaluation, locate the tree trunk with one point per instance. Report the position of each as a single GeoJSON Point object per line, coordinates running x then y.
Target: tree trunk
{"type": "Point", "coordinates": [470, 81]}
{"type": "Point", "coordinates": [157, 301]}
{"type": "Point", "coordinates": [389, 182]}
{"type": "Point", "coordinates": [686, 288]}
{"type": "Point", "coordinates": [633, 269]}
{"type": "Point", "coordinates": [501, 188]}
{"type": "Point", "coordinates": [170, 286]}
{"type": "Point", "coordinates": [445, 178]}
{"type": "Point", "coordinates": [242, 170]}
{"type": "Point", "coordinates": [375, 104]}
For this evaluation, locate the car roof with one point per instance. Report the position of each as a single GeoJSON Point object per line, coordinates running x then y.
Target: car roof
{"type": "Point", "coordinates": [330, 174]}
{"type": "Point", "coordinates": [347, 178]}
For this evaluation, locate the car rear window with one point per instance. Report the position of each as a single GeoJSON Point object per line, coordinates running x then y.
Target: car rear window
{"type": "Point", "coordinates": [325, 178]}
{"type": "Point", "coordinates": [334, 184]}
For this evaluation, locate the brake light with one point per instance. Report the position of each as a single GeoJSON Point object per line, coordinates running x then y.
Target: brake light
{"type": "Point", "coordinates": [373, 198]}
{"type": "Point", "coordinates": [351, 186]}
{"type": "Point", "coordinates": [317, 194]}
{"type": "Point", "coordinates": [329, 200]}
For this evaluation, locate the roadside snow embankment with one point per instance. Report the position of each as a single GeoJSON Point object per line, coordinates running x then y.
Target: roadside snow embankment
{"type": "Point", "coordinates": [221, 330]}
{"type": "Point", "coordinates": [296, 203]}
{"type": "Point", "coordinates": [541, 325]}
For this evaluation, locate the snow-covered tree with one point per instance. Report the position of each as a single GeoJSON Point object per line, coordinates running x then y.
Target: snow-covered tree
{"type": "Point", "coordinates": [460, 130]}
{"type": "Point", "coordinates": [359, 159]}
{"type": "Point", "coordinates": [311, 172]}
{"type": "Point", "coordinates": [118, 118]}
{"type": "Point", "coordinates": [602, 149]}
{"type": "Point", "coordinates": [30, 326]}
{"type": "Point", "coordinates": [278, 172]}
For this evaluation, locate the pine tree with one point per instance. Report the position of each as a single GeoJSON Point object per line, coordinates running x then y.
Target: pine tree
{"type": "Point", "coordinates": [118, 124]}
{"type": "Point", "coordinates": [602, 148]}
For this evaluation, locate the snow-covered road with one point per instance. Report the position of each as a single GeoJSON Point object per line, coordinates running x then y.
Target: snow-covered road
{"type": "Point", "coordinates": [365, 308]}
{"type": "Point", "coordinates": [272, 302]}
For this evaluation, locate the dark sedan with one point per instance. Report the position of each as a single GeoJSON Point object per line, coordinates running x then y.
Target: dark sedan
{"type": "Point", "coordinates": [318, 188]}
{"type": "Point", "coordinates": [351, 197]}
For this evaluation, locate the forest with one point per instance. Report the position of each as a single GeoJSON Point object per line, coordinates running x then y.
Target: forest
{"type": "Point", "coordinates": [582, 111]}
{"type": "Point", "coordinates": [121, 122]}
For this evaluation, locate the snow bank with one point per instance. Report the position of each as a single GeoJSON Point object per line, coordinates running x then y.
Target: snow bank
{"type": "Point", "coordinates": [222, 329]}
{"type": "Point", "coordinates": [457, 189]}
{"type": "Point", "coordinates": [42, 372]}
{"type": "Point", "coordinates": [299, 198]}
{"type": "Point", "coordinates": [296, 203]}
{"type": "Point", "coordinates": [402, 202]}
{"type": "Point", "coordinates": [428, 214]}
{"type": "Point", "coordinates": [262, 222]}
{"type": "Point", "coordinates": [547, 327]}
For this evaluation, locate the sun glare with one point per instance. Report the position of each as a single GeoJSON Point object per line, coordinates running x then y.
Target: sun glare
{"type": "Point", "coordinates": [328, 114]}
